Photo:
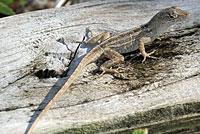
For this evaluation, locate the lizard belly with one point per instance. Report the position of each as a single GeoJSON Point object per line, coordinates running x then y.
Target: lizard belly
{"type": "Point", "coordinates": [125, 48]}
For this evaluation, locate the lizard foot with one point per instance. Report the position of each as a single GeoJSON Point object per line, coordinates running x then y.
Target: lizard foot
{"type": "Point", "coordinates": [106, 70]}
{"type": "Point", "coordinates": [148, 55]}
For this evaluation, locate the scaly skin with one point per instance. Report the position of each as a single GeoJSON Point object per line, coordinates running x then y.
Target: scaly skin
{"type": "Point", "coordinates": [113, 47]}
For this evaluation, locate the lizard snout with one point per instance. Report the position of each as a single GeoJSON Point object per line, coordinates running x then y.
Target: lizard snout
{"type": "Point", "coordinates": [186, 14]}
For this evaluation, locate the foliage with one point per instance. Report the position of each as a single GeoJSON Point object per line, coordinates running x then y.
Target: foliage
{"type": "Point", "coordinates": [4, 9]}
{"type": "Point", "coordinates": [7, 2]}
{"type": "Point", "coordinates": [140, 131]}
{"type": "Point", "coordinates": [22, 2]}
{"type": "Point", "coordinates": [4, 6]}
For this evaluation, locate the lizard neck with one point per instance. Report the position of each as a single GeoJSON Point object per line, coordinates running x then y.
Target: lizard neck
{"type": "Point", "coordinates": [157, 27]}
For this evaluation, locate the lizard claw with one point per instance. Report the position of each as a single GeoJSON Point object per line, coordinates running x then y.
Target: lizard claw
{"type": "Point", "coordinates": [102, 73]}
{"type": "Point", "coordinates": [148, 55]}
{"type": "Point", "coordinates": [105, 70]}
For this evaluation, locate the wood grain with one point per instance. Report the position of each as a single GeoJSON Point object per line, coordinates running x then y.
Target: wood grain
{"type": "Point", "coordinates": [28, 44]}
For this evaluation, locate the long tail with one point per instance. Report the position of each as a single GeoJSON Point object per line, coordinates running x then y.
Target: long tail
{"type": "Point", "coordinates": [73, 76]}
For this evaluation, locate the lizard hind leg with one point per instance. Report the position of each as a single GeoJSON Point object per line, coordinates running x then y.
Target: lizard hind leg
{"type": "Point", "coordinates": [95, 40]}
{"type": "Point", "coordinates": [115, 58]}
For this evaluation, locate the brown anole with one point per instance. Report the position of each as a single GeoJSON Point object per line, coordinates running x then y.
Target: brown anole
{"type": "Point", "coordinates": [113, 47]}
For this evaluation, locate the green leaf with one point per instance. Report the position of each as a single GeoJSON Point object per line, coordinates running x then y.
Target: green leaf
{"type": "Point", "coordinates": [140, 131]}
{"type": "Point", "coordinates": [4, 9]}
{"type": "Point", "coordinates": [22, 2]}
{"type": "Point", "coordinates": [7, 2]}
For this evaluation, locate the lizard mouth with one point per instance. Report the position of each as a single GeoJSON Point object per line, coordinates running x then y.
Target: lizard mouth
{"type": "Point", "coordinates": [182, 14]}
{"type": "Point", "coordinates": [186, 14]}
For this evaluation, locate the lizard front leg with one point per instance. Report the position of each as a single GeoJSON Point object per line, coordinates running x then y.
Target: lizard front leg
{"type": "Point", "coordinates": [141, 47]}
{"type": "Point", "coordinates": [115, 58]}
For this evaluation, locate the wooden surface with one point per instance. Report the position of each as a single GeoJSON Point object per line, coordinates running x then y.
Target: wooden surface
{"type": "Point", "coordinates": [160, 90]}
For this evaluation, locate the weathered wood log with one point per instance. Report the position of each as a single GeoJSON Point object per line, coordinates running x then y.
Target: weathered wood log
{"type": "Point", "coordinates": [160, 90]}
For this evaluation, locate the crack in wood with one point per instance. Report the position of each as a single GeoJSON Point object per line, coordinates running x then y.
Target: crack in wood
{"type": "Point", "coordinates": [16, 108]}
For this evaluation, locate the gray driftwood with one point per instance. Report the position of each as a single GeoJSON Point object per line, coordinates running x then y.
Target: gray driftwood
{"type": "Point", "coordinates": [160, 91]}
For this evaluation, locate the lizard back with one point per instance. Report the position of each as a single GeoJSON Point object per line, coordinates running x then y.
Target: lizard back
{"type": "Point", "coordinates": [124, 42]}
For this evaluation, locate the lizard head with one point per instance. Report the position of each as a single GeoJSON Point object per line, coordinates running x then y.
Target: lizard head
{"type": "Point", "coordinates": [173, 14]}
{"type": "Point", "coordinates": [164, 19]}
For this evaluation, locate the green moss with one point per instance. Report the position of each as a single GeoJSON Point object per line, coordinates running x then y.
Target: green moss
{"type": "Point", "coordinates": [168, 120]}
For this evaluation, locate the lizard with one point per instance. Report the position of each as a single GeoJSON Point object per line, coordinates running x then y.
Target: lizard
{"type": "Point", "coordinates": [112, 47]}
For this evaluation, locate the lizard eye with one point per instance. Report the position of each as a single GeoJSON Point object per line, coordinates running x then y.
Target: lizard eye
{"type": "Point", "coordinates": [173, 15]}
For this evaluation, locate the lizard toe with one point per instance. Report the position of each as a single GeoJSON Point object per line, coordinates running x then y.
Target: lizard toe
{"type": "Point", "coordinates": [148, 55]}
